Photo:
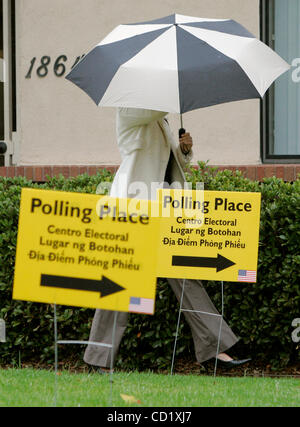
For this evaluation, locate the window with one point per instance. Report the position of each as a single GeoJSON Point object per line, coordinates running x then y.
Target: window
{"type": "Point", "coordinates": [2, 161]}
{"type": "Point", "coordinates": [7, 69]}
{"type": "Point", "coordinates": [281, 107]}
{"type": "Point", "coordinates": [1, 75]}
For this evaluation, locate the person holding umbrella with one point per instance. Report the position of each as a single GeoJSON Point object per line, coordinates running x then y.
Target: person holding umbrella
{"type": "Point", "coordinates": [173, 64]}
{"type": "Point", "coordinates": [151, 155]}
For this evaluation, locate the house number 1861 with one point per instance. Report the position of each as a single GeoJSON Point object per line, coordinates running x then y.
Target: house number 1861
{"type": "Point", "coordinates": [43, 66]}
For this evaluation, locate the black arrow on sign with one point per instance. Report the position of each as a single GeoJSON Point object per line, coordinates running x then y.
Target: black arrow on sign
{"type": "Point", "coordinates": [220, 263]}
{"type": "Point", "coordinates": [105, 286]}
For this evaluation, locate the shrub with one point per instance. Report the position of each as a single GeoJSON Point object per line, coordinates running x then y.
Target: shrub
{"type": "Point", "coordinates": [261, 314]}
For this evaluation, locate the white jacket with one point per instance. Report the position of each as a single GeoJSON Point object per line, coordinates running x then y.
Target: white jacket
{"type": "Point", "coordinates": [145, 142]}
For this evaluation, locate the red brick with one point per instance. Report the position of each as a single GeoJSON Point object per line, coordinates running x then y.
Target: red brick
{"type": "Point", "coordinates": [270, 171]}
{"type": "Point", "coordinates": [231, 168]}
{"type": "Point", "coordinates": [29, 172]}
{"type": "Point", "coordinates": [251, 173]}
{"type": "Point", "coordinates": [57, 170]}
{"type": "Point", "coordinates": [74, 171]}
{"type": "Point", "coordinates": [66, 171]}
{"type": "Point", "coordinates": [38, 174]}
{"type": "Point", "coordinates": [260, 172]}
{"type": "Point", "coordinates": [82, 170]}
{"type": "Point", "coordinates": [280, 172]}
{"type": "Point", "coordinates": [47, 172]}
{"type": "Point", "coordinates": [289, 173]}
{"type": "Point", "coordinates": [108, 168]}
{"type": "Point", "coordinates": [114, 169]}
{"type": "Point", "coordinates": [242, 169]}
{"type": "Point", "coordinates": [92, 170]}
{"type": "Point", "coordinates": [20, 171]}
{"type": "Point", "coordinates": [10, 172]}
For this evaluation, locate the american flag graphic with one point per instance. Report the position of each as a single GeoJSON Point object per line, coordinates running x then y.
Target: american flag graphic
{"type": "Point", "coordinates": [247, 276]}
{"type": "Point", "coordinates": [141, 305]}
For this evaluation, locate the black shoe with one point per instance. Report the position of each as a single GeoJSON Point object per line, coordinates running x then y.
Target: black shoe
{"type": "Point", "coordinates": [230, 364]}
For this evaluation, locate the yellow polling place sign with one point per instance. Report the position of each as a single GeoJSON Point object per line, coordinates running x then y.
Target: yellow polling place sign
{"type": "Point", "coordinates": [86, 250]}
{"type": "Point", "coordinates": [209, 235]}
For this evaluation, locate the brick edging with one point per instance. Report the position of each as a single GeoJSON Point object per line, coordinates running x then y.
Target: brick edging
{"type": "Point", "coordinates": [40, 173]}
{"type": "Point", "coordinates": [258, 172]}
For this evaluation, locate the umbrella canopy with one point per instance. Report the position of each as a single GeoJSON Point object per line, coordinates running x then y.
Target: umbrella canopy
{"type": "Point", "coordinates": [177, 64]}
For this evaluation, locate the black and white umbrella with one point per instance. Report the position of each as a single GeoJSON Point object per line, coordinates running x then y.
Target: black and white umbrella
{"type": "Point", "coordinates": [177, 64]}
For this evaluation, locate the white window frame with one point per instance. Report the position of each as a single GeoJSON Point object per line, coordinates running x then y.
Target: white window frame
{"type": "Point", "coordinates": [267, 111]}
{"type": "Point", "coordinates": [7, 78]}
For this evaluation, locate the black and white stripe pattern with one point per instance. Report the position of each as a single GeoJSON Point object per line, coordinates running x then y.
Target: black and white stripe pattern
{"type": "Point", "coordinates": [177, 64]}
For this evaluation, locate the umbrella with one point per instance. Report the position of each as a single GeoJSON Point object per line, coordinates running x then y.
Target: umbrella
{"type": "Point", "coordinates": [177, 64]}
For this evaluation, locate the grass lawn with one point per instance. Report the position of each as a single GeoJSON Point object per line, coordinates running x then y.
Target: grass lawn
{"type": "Point", "coordinates": [29, 387]}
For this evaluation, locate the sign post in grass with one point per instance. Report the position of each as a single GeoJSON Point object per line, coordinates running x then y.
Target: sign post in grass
{"type": "Point", "coordinates": [102, 252]}
{"type": "Point", "coordinates": [208, 235]}
{"type": "Point", "coordinates": [86, 251]}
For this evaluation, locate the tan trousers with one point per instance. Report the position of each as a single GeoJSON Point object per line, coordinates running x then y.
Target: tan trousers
{"type": "Point", "coordinates": [205, 328]}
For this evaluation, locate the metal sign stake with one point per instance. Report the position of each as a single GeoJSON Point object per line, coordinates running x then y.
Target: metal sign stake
{"type": "Point", "coordinates": [177, 329]}
{"type": "Point", "coordinates": [112, 355]}
{"type": "Point", "coordinates": [55, 356]}
{"type": "Point", "coordinates": [202, 312]}
{"type": "Point", "coordinates": [68, 342]}
{"type": "Point", "coordinates": [220, 331]}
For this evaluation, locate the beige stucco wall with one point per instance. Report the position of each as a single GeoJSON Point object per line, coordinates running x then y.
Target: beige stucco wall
{"type": "Point", "coordinates": [59, 124]}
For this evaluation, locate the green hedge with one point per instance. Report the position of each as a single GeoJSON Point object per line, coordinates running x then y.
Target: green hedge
{"type": "Point", "coordinates": [261, 314]}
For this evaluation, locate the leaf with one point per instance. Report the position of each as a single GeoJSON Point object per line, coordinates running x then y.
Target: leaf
{"type": "Point", "coordinates": [130, 399]}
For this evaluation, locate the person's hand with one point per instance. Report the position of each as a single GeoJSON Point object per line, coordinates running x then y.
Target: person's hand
{"type": "Point", "coordinates": [186, 143]}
